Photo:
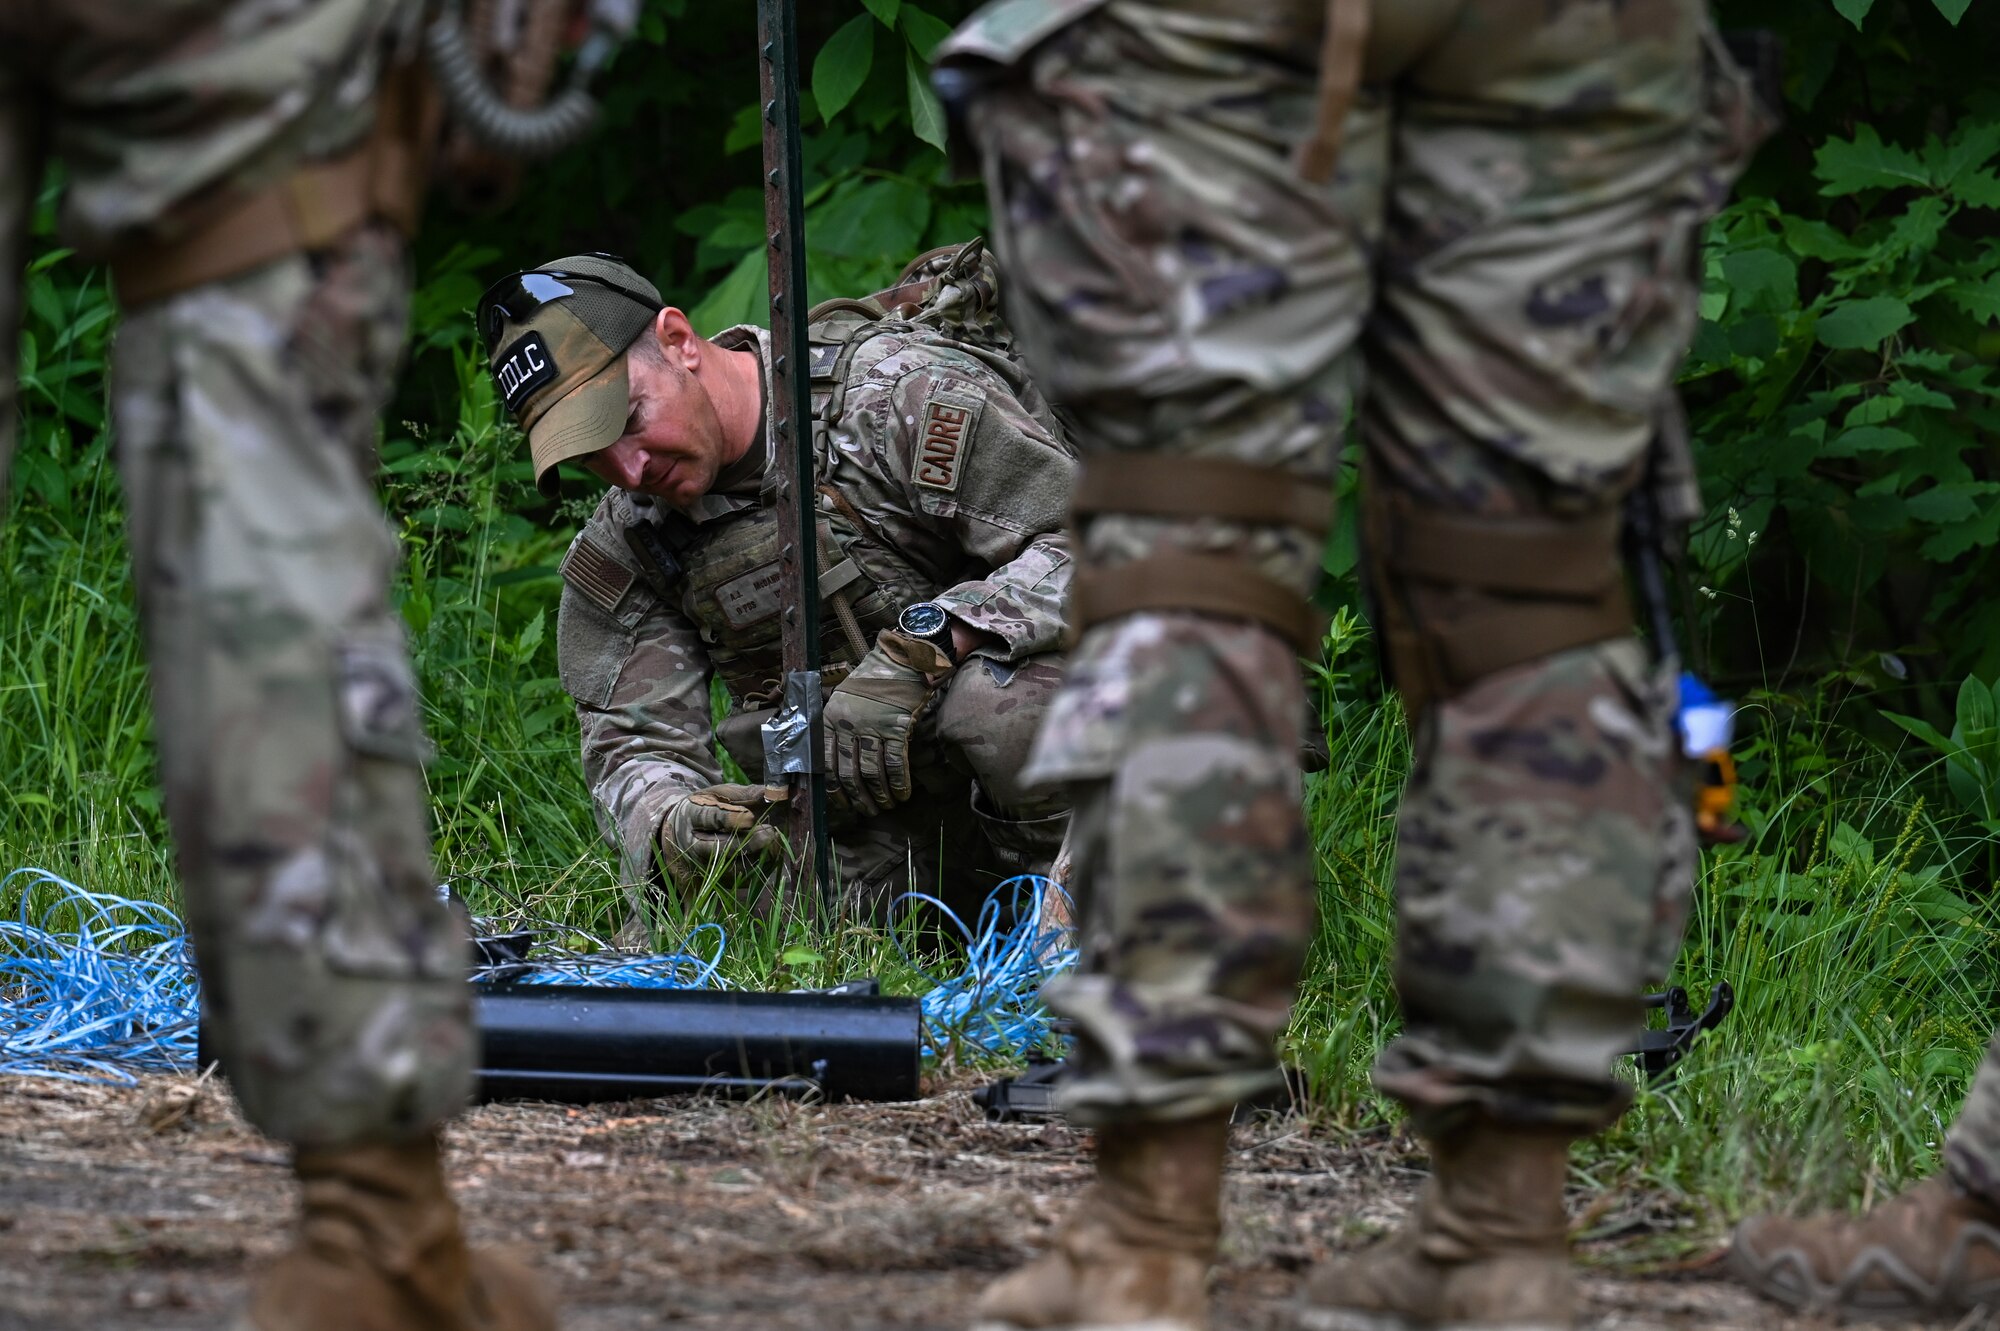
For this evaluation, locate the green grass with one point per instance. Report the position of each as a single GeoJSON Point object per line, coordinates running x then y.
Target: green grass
{"type": "Point", "coordinates": [1854, 924]}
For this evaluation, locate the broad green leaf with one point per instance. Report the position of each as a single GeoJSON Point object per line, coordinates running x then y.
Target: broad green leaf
{"type": "Point", "coordinates": [1921, 395]}
{"type": "Point", "coordinates": [842, 65]}
{"type": "Point", "coordinates": [1971, 146]}
{"type": "Point", "coordinates": [1875, 410]}
{"type": "Point", "coordinates": [1867, 163]}
{"type": "Point", "coordinates": [800, 956]}
{"type": "Point", "coordinates": [1981, 189]}
{"type": "Point", "coordinates": [746, 131]}
{"type": "Point", "coordinates": [742, 297]}
{"type": "Point", "coordinates": [1953, 10]}
{"type": "Point", "coordinates": [1975, 714]}
{"type": "Point", "coordinates": [1763, 277]}
{"type": "Point", "coordinates": [926, 112]}
{"type": "Point", "coordinates": [1979, 299]}
{"type": "Point", "coordinates": [1870, 439]}
{"type": "Point", "coordinates": [531, 636]}
{"type": "Point", "coordinates": [880, 218]}
{"type": "Point", "coordinates": [925, 31]}
{"type": "Point", "coordinates": [1917, 230]}
{"type": "Point", "coordinates": [1974, 533]}
{"type": "Point", "coordinates": [1862, 325]}
{"type": "Point", "coordinates": [1854, 10]}
{"type": "Point", "coordinates": [1925, 732]}
{"type": "Point", "coordinates": [1949, 503]}
{"type": "Point", "coordinates": [885, 10]}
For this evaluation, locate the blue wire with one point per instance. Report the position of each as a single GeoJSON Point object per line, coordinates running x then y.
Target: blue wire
{"type": "Point", "coordinates": [97, 986]}
{"type": "Point", "coordinates": [994, 1005]}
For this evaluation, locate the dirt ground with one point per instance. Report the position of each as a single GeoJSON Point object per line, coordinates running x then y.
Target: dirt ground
{"type": "Point", "coordinates": [148, 1206]}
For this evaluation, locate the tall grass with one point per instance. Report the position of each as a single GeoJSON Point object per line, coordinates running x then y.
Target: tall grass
{"type": "Point", "coordinates": [1864, 968]}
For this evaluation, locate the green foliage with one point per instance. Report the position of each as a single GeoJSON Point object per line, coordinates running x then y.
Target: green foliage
{"type": "Point", "coordinates": [1842, 373]}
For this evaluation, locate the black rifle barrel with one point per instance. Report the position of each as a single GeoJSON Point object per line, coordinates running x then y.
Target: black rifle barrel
{"type": "Point", "coordinates": [578, 1044]}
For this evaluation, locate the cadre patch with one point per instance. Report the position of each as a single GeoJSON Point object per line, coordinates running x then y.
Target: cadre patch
{"type": "Point", "coordinates": [596, 574]}
{"type": "Point", "coordinates": [524, 367]}
{"type": "Point", "coordinates": [946, 441]}
{"type": "Point", "coordinates": [753, 597]}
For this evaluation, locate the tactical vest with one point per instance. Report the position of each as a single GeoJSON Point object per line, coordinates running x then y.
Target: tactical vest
{"type": "Point", "coordinates": [733, 590]}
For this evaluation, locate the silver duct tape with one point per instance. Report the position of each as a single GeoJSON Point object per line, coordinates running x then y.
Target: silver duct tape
{"type": "Point", "coordinates": [791, 736]}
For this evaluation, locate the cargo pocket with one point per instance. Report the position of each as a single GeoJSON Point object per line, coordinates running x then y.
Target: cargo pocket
{"type": "Point", "coordinates": [379, 714]}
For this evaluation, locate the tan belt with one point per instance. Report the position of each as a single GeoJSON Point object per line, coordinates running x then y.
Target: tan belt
{"type": "Point", "coordinates": [381, 180]}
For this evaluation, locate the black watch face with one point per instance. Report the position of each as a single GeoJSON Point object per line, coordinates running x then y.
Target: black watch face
{"type": "Point", "coordinates": [925, 619]}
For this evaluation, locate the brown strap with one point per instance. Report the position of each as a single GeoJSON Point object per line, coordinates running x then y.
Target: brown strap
{"type": "Point", "coordinates": [1339, 79]}
{"type": "Point", "coordinates": [310, 209]}
{"type": "Point", "coordinates": [1506, 636]}
{"type": "Point", "coordinates": [1206, 584]}
{"type": "Point", "coordinates": [1527, 556]}
{"type": "Point", "coordinates": [1179, 487]}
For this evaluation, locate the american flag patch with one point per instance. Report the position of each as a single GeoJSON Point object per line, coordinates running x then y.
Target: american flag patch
{"type": "Point", "coordinates": [596, 574]}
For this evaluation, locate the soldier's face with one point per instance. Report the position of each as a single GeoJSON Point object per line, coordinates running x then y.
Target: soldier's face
{"type": "Point", "coordinates": [673, 444]}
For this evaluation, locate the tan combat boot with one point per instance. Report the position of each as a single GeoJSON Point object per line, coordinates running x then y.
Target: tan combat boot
{"type": "Point", "coordinates": [1488, 1246]}
{"type": "Point", "coordinates": [1932, 1251]}
{"type": "Point", "coordinates": [1135, 1254]}
{"type": "Point", "coordinates": [380, 1250]}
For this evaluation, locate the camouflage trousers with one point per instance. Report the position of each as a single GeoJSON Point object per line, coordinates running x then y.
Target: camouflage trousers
{"type": "Point", "coordinates": [291, 749]}
{"type": "Point", "coordinates": [333, 979]}
{"type": "Point", "coordinates": [1972, 1147]}
{"type": "Point", "coordinates": [1496, 286]}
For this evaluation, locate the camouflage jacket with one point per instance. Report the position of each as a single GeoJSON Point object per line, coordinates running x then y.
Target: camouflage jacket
{"type": "Point", "coordinates": [943, 476]}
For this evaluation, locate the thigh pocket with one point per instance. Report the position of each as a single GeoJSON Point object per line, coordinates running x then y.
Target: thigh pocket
{"type": "Point", "coordinates": [379, 714]}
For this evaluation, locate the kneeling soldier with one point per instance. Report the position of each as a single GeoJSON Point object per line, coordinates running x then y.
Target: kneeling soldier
{"type": "Point", "coordinates": [943, 480]}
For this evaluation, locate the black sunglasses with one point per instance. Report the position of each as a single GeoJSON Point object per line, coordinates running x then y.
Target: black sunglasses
{"type": "Point", "coordinates": [516, 297]}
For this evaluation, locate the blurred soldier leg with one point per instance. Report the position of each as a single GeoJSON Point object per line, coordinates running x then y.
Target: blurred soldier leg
{"type": "Point", "coordinates": [244, 399]}
{"type": "Point", "coordinates": [1187, 294]}
{"type": "Point", "coordinates": [1932, 1252]}
{"type": "Point", "coordinates": [1536, 301]}
{"type": "Point", "coordinates": [1173, 326]}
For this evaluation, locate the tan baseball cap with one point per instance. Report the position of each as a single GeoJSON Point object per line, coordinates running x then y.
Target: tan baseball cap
{"type": "Point", "coordinates": [555, 342]}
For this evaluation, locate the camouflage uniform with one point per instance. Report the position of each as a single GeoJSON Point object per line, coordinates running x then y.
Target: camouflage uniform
{"type": "Point", "coordinates": [1504, 256]}
{"type": "Point", "coordinates": [981, 535]}
{"type": "Point", "coordinates": [290, 744]}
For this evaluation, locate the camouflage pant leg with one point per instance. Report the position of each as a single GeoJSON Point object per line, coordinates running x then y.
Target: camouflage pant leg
{"type": "Point", "coordinates": [1192, 877]}
{"type": "Point", "coordinates": [1181, 291]}
{"type": "Point", "coordinates": [1536, 302]}
{"type": "Point", "coordinates": [987, 721]}
{"type": "Point", "coordinates": [1972, 1147]}
{"type": "Point", "coordinates": [290, 742]}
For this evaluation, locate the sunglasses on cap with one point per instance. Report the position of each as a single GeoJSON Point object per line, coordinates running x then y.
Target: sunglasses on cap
{"type": "Point", "coordinates": [517, 297]}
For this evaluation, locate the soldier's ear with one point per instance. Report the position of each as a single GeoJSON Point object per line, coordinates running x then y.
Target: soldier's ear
{"type": "Point", "coordinates": [678, 340]}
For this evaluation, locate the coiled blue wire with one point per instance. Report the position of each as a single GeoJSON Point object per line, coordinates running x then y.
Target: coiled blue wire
{"type": "Point", "coordinates": [994, 1005]}
{"type": "Point", "coordinates": [112, 993]}
{"type": "Point", "coordinates": [95, 986]}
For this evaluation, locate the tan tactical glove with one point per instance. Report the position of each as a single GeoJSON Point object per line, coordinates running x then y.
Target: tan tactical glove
{"type": "Point", "coordinates": [708, 826]}
{"type": "Point", "coordinates": [869, 720]}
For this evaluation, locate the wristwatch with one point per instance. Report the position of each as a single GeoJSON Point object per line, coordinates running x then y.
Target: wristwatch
{"type": "Point", "coordinates": [927, 621]}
